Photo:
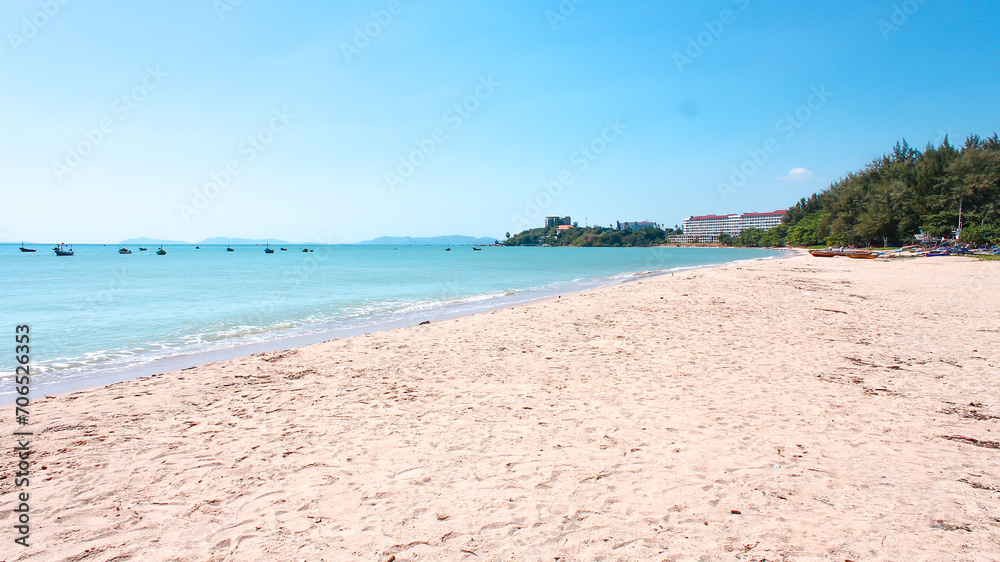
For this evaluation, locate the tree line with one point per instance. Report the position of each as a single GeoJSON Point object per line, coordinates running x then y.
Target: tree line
{"type": "Point", "coordinates": [593, 236]}
{"type": "Point", "coordinates": [901, 194]}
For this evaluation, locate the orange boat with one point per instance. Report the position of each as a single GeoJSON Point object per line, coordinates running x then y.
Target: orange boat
{"type": "Point", "coordinates": [824, 253]}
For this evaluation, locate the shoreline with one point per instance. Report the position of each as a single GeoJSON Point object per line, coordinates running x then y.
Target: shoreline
{"type": "Point", "coordinates": [84, 378]}
{"type": "Point", "coordinates": [778, 409]}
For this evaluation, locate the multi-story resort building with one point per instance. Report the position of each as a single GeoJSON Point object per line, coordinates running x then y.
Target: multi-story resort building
{"type": "Point", "coordinates": [707, 228]}
{"type": "Point", "coordinates": [557, 221]}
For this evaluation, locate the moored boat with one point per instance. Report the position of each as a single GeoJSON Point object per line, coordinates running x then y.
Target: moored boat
{"type": "Point", "coordinates": [23, 249]}
{"type": "Point", "coordinates": [63, 250]}
{"type": "Point", "coordinates": [124, 251]}
{"type": "Point", "coordinates": [161, 252]}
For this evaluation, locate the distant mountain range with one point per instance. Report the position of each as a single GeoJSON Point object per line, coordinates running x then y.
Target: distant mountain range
{"type": "Point", "coordinates": [150, 241]}
{"type": "Point", "coordinates": [207, 241]}
{"type": "Point", "coordinates": [224, 240]}
{"type": "Point", "coordinates": [429, 241]}
{"type": "Point", "coordinates": [384, 240]}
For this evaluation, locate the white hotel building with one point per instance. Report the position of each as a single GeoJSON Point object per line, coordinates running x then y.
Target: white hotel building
{"type": "Point", "coordinates": [707, 228]}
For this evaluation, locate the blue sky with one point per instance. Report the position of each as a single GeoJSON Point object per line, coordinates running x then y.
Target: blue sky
{"type": "Point", "coordinates": [337, 122]}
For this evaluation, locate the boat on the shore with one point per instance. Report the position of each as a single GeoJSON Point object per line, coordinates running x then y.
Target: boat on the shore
{"type": "Point", "coordinates": [23, 249]}
{"type": "Point", "coordinates": [861, 255]}
{"type": "Point", "coordinates": [844, 252]}
{"type": "Point", "coordinates": [63, 250]}
{"type": "Point", "coordinates": [824, 253]}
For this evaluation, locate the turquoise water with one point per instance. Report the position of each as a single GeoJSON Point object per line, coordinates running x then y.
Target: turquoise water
{"type": "Point", "coordinates": [101, 311]}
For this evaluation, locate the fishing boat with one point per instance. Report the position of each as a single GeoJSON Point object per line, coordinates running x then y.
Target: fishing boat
{"type": "Point", "coordinates": [304, 250]}
{"type": "Point", "coordinates": [23, 249]}
{"type": "Point", "coordinates": [284, 249]}
{"type": "Point", "coordinates": [824, 253]}
{"type": "Point", "coordinates": [230, 249]}
{"type": "Point", "coordinates": [447, 249]}
{"type": "Point", "coordinates": [268, 250]}
{"type": "Point", "coordinates": [124, 251]}
{"type": "Point", "coordinates": [63, 250]}
{"type": "Point", "coordinates": [161, 252]}
{"type": "Point", "coordinates": [861, 255]}
{"type": "Point", "coordinates": [142, 249]}
{"type": "Point", "coordinates": [477, 249]}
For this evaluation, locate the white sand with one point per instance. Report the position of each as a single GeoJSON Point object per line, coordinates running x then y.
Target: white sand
{"type": "Point", "coordinates": [720, 414]}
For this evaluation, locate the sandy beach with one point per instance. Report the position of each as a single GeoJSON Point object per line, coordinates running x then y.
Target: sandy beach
{"type": "Point", "coordinates": [792, 409]}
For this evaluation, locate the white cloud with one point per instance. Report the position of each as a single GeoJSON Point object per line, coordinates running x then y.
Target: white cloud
{"type": "Point", "coordinates": [796, 174]}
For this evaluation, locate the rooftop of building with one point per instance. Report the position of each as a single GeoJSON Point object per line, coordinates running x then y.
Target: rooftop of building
{"type": "Point", "coordinates": [710, 217]}
{"type": "Point", "coordinates": [707, 217]}
{"type": "Point", "coordinates": [780, 213]}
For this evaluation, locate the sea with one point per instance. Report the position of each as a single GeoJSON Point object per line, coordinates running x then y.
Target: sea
{"type": "Point", "coordinates": [100, 316]}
